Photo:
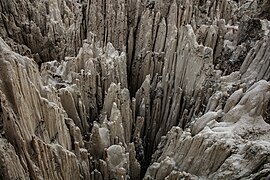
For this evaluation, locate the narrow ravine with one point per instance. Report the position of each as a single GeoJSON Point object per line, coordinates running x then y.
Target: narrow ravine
{"type": "Point", "coordinates": [134, 89]}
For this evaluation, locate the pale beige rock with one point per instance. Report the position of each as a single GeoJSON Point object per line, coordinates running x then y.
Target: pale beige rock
{"type": "Point", "coordinates": [209, 154]}
{"type": "Point", "coordinates": [11, 167]}
{"type": "Point", "coordinates": [120, 76]}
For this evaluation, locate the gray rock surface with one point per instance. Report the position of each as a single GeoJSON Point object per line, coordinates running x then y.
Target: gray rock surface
{"type": "Point", "coordinates": [134, 89]}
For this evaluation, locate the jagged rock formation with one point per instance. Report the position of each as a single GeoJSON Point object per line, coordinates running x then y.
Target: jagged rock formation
{"type": "Point", "coordinates": [164, 89]}
{"type": "Point", "coordinates": [227, 145]}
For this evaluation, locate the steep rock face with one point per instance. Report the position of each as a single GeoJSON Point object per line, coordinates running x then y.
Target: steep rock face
{"type": "Point", "coordinates": [83, 80]}
{"type": "Point", "coordinates": [11, 167]}
{"type": "Point", "coordinates": [29, 124]}
{"type": "Point", "coordinates": [117, 89]}
{"type": "Point", "coordinates": [44, 30]}
{"type": "Point", "coordinates": [234, 144]}
{"type": "Point", "coordinates": [31, 104]}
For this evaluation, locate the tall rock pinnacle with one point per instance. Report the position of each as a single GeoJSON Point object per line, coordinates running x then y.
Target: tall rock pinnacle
{"type": "Point", "coordinates": [134, 89]}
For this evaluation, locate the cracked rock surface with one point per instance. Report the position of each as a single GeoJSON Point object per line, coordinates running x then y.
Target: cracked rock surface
{"type": "Point", "coordinates": [134, 89]}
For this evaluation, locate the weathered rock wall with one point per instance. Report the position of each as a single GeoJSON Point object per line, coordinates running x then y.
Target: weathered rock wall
{"type": "Point", "coordinates": [116, 89]}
